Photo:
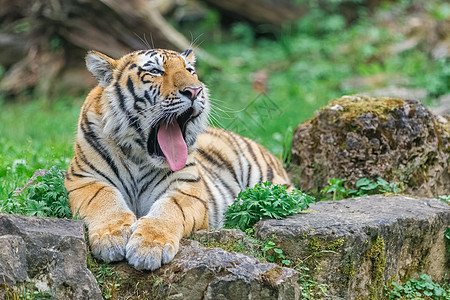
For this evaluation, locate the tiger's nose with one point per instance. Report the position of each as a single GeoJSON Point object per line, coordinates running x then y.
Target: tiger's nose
{"type": "Point", "coordinates": [191, 92]}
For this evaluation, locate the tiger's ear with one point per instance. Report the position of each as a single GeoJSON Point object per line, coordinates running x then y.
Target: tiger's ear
{"type": "Point", "coordinates": [189, 55]}
{"type": "Point", "coordinates": [101, 66]}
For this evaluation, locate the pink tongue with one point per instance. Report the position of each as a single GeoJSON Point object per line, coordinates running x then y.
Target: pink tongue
{"type": "Point", "coordinates": [172, 145]}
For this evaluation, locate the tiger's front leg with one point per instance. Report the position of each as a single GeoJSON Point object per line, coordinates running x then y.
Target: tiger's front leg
{"type": "Point", "coordinates": [106, 214]}
{"type": "Point", "coordinates": [156, 237]}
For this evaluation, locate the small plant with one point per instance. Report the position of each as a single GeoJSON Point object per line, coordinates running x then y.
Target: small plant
{"type": "Point", "coordinates": [368, 187]}
{"type": "Point", "coordinates": [447, 233]}
{"type": "Point", "coordinates": [264, 201]}
{"type": "Point", "coordinates": [274, 254]}
{"type": "Point", "coordinates": [423, 288]}
{"type": "Point", "coordinates": [444, 198]}
{"type": "Point", "coordinates": [107, 279]}
{"type": "Point", "coordinates": [309, 288]}
{"type": "Point", "coordinates": [336, 186]}
{"type": "Point", "coordinates": [47, 198]}
{"type": "Point", "coordinates": [364, 187]}
{"type": "Point", "coordinates": [24, 291]}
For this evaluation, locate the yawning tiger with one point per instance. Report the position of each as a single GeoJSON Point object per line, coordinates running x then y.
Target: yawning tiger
{"type": "Point", "coordinates": [147, 170]}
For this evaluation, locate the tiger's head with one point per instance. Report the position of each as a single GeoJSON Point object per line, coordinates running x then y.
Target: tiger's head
{"type": "Point", "coordinates": [153, 103]}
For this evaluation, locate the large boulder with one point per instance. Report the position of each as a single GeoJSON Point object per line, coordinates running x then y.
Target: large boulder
{"type": "Point", "coordinates": [355, 137]}
{"type": "Point", "coordinates": [358, 245]}
{"type": "Point", "coordinates": [46, 255]}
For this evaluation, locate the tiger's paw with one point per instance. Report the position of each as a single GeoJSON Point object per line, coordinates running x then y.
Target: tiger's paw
{"type": "Point", "coordinates": [109, 238]}
{"type": "Point", "coordinates": [153, 243]}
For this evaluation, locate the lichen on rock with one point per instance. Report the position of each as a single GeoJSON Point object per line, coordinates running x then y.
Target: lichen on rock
{"type": "Point", "coordinates": [355, 137]}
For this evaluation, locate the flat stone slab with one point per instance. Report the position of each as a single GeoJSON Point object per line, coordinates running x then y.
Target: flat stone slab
{"type": "Point", "coordinates": [46, 254]}
{"type": "Point", "coordinates": [213, 273]}
{"type": "Point", "coordinates": [357, 245]}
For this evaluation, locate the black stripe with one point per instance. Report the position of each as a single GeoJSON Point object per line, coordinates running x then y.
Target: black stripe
{"type": "Point", "coordinates": [223, 161]}
{"type": "Point", "coordinates": [176, 180]}
{"type": "Point", "coordinates": [148, 98]}
{"type": "Point", "coordinates": [223, 188]}
{"type": "Point", "coordinates": [195, 197]}
{"type": "Point", "coordinates": [70, 170]}
{"type": "Point", "coordinates": [81, 187]}
{"type": "Point", "coordinates": [145, 187]}
{"type": "Point", "coordinates": [72, 173]}
{"type": "Point", "coordinates": [252, 153]}
{"type": "Point", "coordinates": [77, 163]}
{"type": "Point", "coordinates": [210, 197]}
{"type": "Point", "coordinates": [214, 162]}
{"type": "Point", "coordinates": [269, 167]}
{"type": "Point", "coordinates": [85, 161]}
{"type": "Point", "coordinates": [164, 177]}
{"type": "Point", "coordinates": [189, 179]}
{"type": "Point", "coordinates": [193, 227]}
{"type": "Point", "coordinates": [122, 70]}
{"type": "Point", "coordinates": [182, 212]}
{"type": "Point", "coordinates": [187, 52]}
{"type": "Point", "coordinates": [237, 151]}
{"type": "Point", "coordinates": [95, 195]}
{"type": "Point", "coordinates": [151, 53]}
{"type": "Point", "coordinates": [157, 184]}
{"type": "Point", "coordinates": [133, 120]}
{"type": "Point", "coordinates": [137, 99]}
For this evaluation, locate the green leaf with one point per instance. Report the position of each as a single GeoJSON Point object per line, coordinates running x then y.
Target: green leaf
{"type": "Point", "coordinates": [363, 182]}
{"type": "Point", "coordinates": [382, 182]}
{"type": "Point", "coordinates": [369, 187]}
{"type": "Point", "coordinates": [286, 262]}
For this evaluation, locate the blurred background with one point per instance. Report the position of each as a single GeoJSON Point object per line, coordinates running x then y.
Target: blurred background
{"type": "Point", "coordinates": [269, 64]}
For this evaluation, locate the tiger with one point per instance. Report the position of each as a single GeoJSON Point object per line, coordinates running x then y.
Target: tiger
{"type": "Point", "coordinates": [147, 169]}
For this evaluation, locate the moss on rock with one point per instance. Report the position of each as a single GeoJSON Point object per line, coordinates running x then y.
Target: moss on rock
{"type": "Point", "coordinates": [377, 258]}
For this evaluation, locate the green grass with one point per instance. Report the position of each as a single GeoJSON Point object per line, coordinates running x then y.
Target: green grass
{"type": "Point", "coordinates": [35, 135]}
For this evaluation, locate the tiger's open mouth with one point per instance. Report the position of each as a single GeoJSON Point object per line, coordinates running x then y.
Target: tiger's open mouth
{"type": "Point", "coordinates": [168, 139]}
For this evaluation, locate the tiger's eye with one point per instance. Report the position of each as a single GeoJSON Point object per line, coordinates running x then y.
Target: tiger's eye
{"type": "Point", "coordinates": [156, 71]}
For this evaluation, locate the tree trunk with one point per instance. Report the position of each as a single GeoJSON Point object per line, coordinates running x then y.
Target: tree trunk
{"type": "Point", "coordinates": [42, 43]}
{"type": "Point", "coordinates": [274, 12]}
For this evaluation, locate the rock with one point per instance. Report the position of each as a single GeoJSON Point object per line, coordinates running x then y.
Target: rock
{"type": "Point", "coordinates": [47, 254]}
{"type": "Point", "coordinates": [223, 238]}
{"type": "Point", "coordinates": [213, 273]}
{"type": "Point", "coordinates": [13, 263]}
{"type": "Point", "coordinates": [356, 137]}
{"type": "Point", "coordinates": [357, 245]}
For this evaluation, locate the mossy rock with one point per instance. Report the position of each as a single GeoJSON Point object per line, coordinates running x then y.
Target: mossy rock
{"type": "Point", "coordinates": [355, 137]}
